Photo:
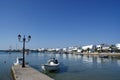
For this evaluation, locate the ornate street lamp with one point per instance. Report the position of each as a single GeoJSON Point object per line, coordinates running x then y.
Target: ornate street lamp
{"type": "Point", "coordinates": [24, 41]}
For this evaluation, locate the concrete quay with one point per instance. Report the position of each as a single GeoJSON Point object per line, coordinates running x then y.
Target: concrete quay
{"type": "Point", "coordinates": [28, 73]}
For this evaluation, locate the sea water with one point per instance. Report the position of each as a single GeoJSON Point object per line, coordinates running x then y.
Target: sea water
{"type": "Point", "coordinates": [72, 66]}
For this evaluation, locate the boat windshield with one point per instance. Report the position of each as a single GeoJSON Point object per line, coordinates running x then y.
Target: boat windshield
{"type": "Point", "coordinates": [53, 60]}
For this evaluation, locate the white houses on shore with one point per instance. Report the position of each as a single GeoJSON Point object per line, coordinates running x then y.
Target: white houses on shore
{"type": "Point", "coordinates": [79, 49]}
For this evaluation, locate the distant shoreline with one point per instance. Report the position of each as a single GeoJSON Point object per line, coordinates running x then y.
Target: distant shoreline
{"type": "Point", "coordinates": [102, 55]}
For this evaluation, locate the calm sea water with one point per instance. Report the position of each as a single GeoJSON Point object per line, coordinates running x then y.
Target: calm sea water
{"type": "Point", "coordinates": [73, 67]}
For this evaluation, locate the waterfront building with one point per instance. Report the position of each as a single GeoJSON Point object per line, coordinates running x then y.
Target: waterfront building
{"type": "Point", "coordinates": [117, 46]}
{"type": "Point", "coordinates": [79, 50]}
{"type": "Point", "coordinates": [41, 49]}
{"type": "Point", "coordinates": [98, 47]}
{"type": "Point", "coordinates": [103, 48]}
{"type": "Point", "coordinates": [51, 49]}
{"type": "Point", "coordinates": [64, 49]}
{"type": "Point", "coordinates": [88, 48]}
{"type": "Point", "coordinates": [57, 49]}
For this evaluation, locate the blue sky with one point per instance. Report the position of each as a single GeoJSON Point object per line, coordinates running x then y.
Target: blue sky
{"type": "Point", "coordinates": [59, 23]}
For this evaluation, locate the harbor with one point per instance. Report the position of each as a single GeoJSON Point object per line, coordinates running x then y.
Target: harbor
{"type": "Point", "coordinates": [60, 40]}
{"type": "Point", "coordinates": [72, 66]}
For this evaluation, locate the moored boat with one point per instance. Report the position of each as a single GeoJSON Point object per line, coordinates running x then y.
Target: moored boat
{"type": "Point", "coordinates": [52, 65]}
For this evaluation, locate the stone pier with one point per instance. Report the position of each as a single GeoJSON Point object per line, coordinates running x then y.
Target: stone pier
{"type": "Point", "coordinates": [28, 73]}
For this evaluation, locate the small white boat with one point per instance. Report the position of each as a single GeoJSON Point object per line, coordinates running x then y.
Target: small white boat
{"type": "Point", "coordinates": [52, 65]}
{"type": "Point", "coordinates": [18, 61]}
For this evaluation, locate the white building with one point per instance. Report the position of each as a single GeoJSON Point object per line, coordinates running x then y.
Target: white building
{"type": "Point", "coordinates": [57, 49]}
{"type": "Point", "coordinates": [103, 47]}
{"type": "Point", "coordinates": [88, 46]}
{"type": "Point", "coordinates": [98, 47]}
{"type": "Point", "coordinates": [70, 49]}
{"type": "Point", "coordinates": [41, 49]}
{"type": "Point", "coordinates": [79, 50]}
{"type": "Point", "coordinates": [64, 49]}
{"type": "Point", "coordinates": [118, 46]}
{"type": "Point", "coordinates": [50, 49]}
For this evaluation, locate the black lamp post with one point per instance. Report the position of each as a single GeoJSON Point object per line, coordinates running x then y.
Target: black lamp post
{"type": "Point", "coordinates": [23, 41]}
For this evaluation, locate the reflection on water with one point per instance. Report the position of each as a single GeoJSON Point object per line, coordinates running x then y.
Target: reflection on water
{"type": "Point", "coordinates": [72, 67]}
{"type": "Point", "coordinates": [118, 61]}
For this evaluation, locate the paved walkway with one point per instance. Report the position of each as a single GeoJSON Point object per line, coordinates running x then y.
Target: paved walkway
{"type": "Point", "coordinates": [28, 73]}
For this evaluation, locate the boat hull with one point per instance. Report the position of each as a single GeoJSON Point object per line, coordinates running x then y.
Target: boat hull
{"type": "Point", "coordinates": [49, 67]}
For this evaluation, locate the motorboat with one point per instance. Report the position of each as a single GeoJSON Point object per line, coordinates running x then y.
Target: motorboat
{"type": "Point", "coordinates": [18, 60]}
{"type": "Point", "coordinates": [51, 65]}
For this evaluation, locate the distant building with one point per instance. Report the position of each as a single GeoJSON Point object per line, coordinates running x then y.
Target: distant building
{"type": "Point", "coordinates": [57, 49]}
{"type": "Point", "coordinates": [41, 49]}
{"type": "Point", "coordinates": [50, 49]}
{"type": "Point", "coordinates": [98, 47]}
{"type": "Point", "coordinates": [89, 48]}
{"type": "Point", "coordinates": [86, 47]}
{"type": "Point", "coordinates": [118, 46]}
{"type": "Point", "coordinates": [79, 50]}
{"type": "Point", "coordinates": [72, 49]}
{"type": "Point", "coordinates": [105, 47]}
{"type": "Point", "coordinates": [64, 49]}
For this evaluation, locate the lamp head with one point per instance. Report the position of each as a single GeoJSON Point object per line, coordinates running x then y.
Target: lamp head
{"type": "Point", "coordinates": [19, 37]}
{"type": "Point", "coordinates": [29, 37]}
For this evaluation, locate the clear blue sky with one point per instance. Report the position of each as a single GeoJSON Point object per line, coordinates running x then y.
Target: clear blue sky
{"type": "Point", "coordinates": [59, 23]}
